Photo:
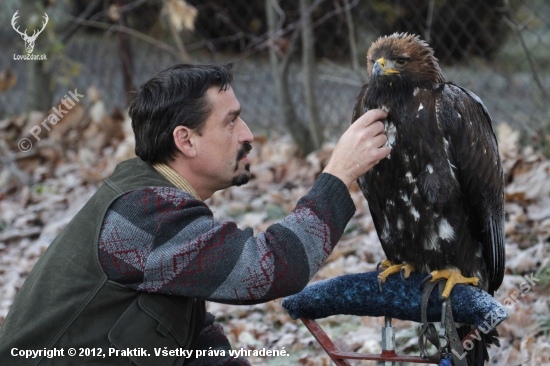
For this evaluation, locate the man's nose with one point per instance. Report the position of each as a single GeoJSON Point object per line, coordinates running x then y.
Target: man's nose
{"type": "Point", "coordinates": [245, 135]}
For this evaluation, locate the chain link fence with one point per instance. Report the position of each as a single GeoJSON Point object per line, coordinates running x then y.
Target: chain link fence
{"type": "Point", "coordinates": [496, 48]}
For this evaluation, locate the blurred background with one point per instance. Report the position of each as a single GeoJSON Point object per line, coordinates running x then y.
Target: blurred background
{"type": "Point", "coordinates": [300, 65]}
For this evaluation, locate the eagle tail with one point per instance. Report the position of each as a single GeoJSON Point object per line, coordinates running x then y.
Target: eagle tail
{"type": "Point", "coordinates": [478, 354]}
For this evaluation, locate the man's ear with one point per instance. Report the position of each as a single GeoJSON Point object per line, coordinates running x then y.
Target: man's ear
{"type": "Point", "coordinates": [184, 142]}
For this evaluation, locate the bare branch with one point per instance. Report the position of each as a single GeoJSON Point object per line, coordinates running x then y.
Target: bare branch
{"type": "Point", "coordinates": [132, 32]}
{"type": "Point", "coordinates": [183, 54]}
{"type": "Point", "coordinates": [330, 14]}
{"type": "Point", "coordinates": [290, 49]}
{"type": "Point", "coordinates": [282, 15]}
{"type": "Point", "coordinates": [71, 30]}
{"type": "Point", "coordinates": [262, 42]}
{"type": "Point", "coordinates": [429, 20]}
{"type": "Point", "coordinates": [121, 9]}
{"type": "Point", "coordinates": [513, 24]}
{"type": "Point", "coordinates": [352, 41]}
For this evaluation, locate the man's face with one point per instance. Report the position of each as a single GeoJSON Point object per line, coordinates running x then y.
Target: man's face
{"type": "Point", "coordinates": [222, 148]}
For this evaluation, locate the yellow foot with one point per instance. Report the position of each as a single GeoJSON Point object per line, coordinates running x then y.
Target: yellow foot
{"type": "Point", "coordinates": [391, 268]}
{"type": "Point", "coordinates": [453, 276]}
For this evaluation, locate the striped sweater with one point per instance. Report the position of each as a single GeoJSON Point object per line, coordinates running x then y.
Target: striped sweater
{"type": "Point", "coordinates": [164, 240]}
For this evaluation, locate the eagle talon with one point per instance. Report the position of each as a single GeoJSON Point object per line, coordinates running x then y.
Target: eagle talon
{"type": "Point", "coordinates": [427, 279]}
{"type": "Point", "coordinates": [454, 277]}
{"type": "Point", "coordinates": [391, 268]}
{"type": "Point", "coordinates": [384, 263]}
{"type": "Point", "coordinates": [406, 271]}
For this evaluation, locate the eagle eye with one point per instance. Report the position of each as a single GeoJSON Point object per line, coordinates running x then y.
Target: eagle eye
{"type": "Point", "coordinates": [401, 61]}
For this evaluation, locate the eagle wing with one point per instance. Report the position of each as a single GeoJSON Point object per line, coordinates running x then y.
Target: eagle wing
{"type": "Point", "coordinates": [475, 158]}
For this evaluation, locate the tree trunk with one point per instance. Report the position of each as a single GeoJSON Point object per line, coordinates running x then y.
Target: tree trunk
{"type": "Point", "coordinates": [40, 88]}
{"type": "Point", "coordinates": [308, 70]}
{"type": "Point", "coordinates": [352, 40]}
{"type": "Point", "coordinates": [299, 132]}
{"type": "Point", "coordinates": [126, 57]}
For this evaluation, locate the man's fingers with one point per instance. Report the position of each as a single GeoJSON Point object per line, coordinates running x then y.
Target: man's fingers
{"type": "Point", "coordinates": [377, 149]}
{"type": "Point", "coordinates": [360, 147]}
{"type": "Point", "coordinates": [370, 117]}
{"type": "Point", "coordinates": [379, 140]}
{"type": "Point", "coordinates": [383, 152]}
{"type": "Point", "coordinates": [376, 129]}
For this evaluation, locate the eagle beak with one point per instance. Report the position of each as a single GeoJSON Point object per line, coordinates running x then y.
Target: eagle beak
{"type": "Point", "coordinates": [383, 67]}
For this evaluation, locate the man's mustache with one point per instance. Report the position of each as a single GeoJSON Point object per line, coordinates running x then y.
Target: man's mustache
{"type": "Point", "coordinates": [244, 150]}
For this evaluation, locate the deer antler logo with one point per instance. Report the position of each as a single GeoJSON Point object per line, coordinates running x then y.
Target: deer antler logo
{"type": "Point", "coordinates": [29, 41]}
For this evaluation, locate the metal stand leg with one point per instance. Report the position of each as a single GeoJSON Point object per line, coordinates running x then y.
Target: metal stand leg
{"type": "Point", "coordinates": [388, 355]}
{"type": "Point", "coordinates": [325, 342]}
{"type": "Point", "coordinates": [388, 338]}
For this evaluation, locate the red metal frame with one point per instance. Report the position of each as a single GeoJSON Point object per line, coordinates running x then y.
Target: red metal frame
{"type": "Point", "coordinates": [340, 357]}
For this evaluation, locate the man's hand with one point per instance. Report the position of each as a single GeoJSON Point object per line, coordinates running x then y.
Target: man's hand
{"type": "Point", "coordinates": [360, 148]}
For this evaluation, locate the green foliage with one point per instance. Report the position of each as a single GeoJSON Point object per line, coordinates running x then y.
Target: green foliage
{"type": "Point", "coordinates": [42, 189]}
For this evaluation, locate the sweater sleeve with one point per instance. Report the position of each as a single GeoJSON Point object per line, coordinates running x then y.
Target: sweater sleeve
{"type": "Point", "coordinates": [163, 240]}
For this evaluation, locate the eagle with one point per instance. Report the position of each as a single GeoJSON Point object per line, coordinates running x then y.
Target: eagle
{"type": "Point", "coordinates": [437, 201]}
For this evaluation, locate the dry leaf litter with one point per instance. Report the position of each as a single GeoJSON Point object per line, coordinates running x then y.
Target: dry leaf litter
{"type": "Point", "coordinates": [42, 189]}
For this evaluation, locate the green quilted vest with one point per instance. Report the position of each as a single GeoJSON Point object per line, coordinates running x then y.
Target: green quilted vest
{"type": "Point", "coordinates": [67, 301]}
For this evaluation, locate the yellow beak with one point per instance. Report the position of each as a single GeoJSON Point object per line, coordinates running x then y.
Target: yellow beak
{"type": "Point", "coordinates": [383, 68]}
{"type": "Point", "coordinates": [386, 66]}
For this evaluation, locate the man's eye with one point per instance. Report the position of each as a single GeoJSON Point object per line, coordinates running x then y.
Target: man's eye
{"type": "Point", "coordinates": [232, 122]}
{"type": "Point", "coordinates": [401, 61]}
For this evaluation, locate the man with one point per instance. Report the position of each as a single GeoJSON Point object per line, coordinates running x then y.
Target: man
{"type": "Point", "coordinates": [129, 275]}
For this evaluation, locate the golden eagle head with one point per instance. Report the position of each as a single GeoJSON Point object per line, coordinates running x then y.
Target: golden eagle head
{"type": "Point", "coordinates": [402, 59]}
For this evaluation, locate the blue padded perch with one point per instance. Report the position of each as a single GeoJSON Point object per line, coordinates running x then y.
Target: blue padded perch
{"type": "Point", "coordinates": [358, 294]}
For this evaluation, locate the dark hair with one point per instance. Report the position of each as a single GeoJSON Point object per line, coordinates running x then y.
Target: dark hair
{"type": "Point", "coordinates": [174, 97]}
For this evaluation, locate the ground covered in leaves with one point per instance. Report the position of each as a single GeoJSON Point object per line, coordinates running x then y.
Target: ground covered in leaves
{"type": "Point", "coordinates": [42, 189]}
